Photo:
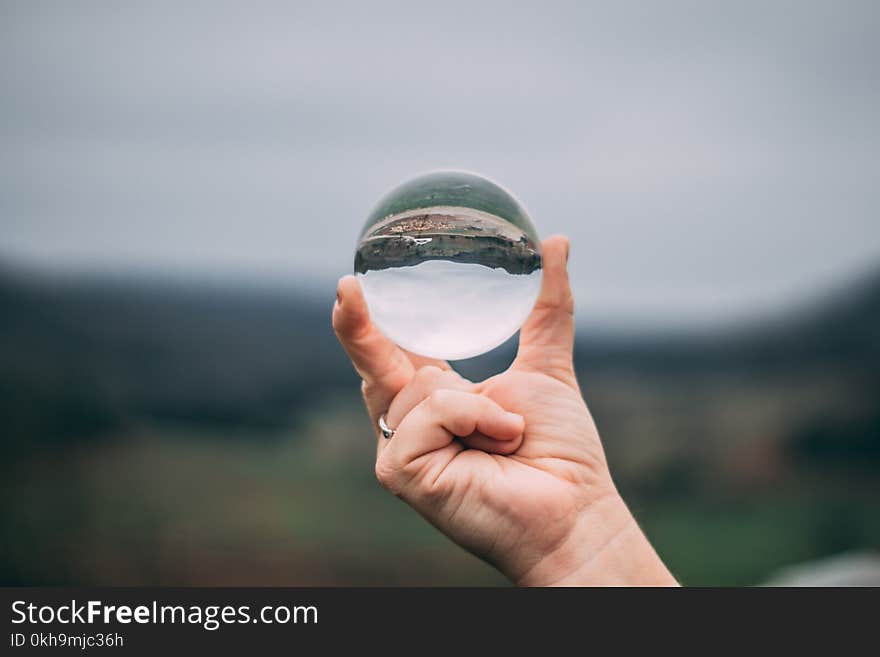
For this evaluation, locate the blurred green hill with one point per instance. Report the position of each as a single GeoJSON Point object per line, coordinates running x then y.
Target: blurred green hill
{"type": "Point", "coordinates": [91, 354]}
{"type": "Point", "coordinates": [161, 432]}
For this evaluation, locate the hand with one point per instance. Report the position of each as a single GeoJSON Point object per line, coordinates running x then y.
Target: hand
{"type": "Point", "coordinates": [510, 468]}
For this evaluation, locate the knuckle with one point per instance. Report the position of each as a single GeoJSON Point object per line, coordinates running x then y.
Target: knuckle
{"type": "Point", "coordinates": [386, 475]}
{"type": "Point", "coordinates": [367, 393]}
{"type": "Point", "coordinates": [427, 375]}
{"type": "Point", "coordinates": [439, 399]}
{"type": "Point", "coordinates": [460, 426]}
{"type": "Point", "coordinates": [384, 472]}
{"type": "Point", "coordinates": [452, 380]}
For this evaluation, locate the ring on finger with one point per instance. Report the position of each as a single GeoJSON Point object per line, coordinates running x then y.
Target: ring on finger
{"type": "Point", "coordinates": [387, 432]}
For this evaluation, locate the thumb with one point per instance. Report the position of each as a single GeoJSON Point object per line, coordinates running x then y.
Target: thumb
{"type": "Point", "coordinates": [546, 339]}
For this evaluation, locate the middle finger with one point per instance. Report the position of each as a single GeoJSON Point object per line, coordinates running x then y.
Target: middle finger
{"type": "Point", "coordinates": [426, 380]}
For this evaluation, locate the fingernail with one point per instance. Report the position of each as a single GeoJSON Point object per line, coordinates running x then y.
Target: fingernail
{"type": "Point", "coordinates": [567, 250]}
{"type": "Point", "coordinates": [515, 417]}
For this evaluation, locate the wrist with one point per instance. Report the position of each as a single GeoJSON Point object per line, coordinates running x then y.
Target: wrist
{"type": "Point", "coordinates": [606, 547]}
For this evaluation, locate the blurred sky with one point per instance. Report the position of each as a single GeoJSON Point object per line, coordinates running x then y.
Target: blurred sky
{"type": "Point", "coordinates": [709, 160]}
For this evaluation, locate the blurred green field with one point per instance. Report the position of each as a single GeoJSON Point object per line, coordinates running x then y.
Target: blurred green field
{"type": "Point", "coordinates": [183, 506]}
{"type": "Point", "coordinates": [205, 437]}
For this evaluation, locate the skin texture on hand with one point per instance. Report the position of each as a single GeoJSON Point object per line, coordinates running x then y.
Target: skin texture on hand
{"type": "Point", "coordinates": [511, 468]}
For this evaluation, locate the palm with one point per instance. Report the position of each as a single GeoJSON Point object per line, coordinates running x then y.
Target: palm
{"type": "Point", "coordinates": [532, 496]}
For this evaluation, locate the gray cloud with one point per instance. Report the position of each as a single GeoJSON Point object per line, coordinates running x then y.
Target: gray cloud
{"type": "Point", "coordinates": [708, 159]}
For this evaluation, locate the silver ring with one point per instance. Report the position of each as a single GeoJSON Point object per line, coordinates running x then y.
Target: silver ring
{"type": "Point", "coordinates": [387, 432]}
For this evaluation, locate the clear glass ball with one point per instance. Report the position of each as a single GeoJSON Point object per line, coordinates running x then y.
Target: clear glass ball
{"type": "Point", "coordinates": [450, 265]}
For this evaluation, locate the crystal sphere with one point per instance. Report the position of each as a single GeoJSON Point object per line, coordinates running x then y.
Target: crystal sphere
{"type": "Point", "coordinates": [450, 265]}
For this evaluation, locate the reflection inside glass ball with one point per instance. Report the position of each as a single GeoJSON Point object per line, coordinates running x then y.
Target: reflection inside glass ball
{"type": "Point", "coordinates": [450, 265]}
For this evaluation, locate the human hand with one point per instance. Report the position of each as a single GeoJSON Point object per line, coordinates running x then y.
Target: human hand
{"type": "Point", "coordinates": [511, 468]}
